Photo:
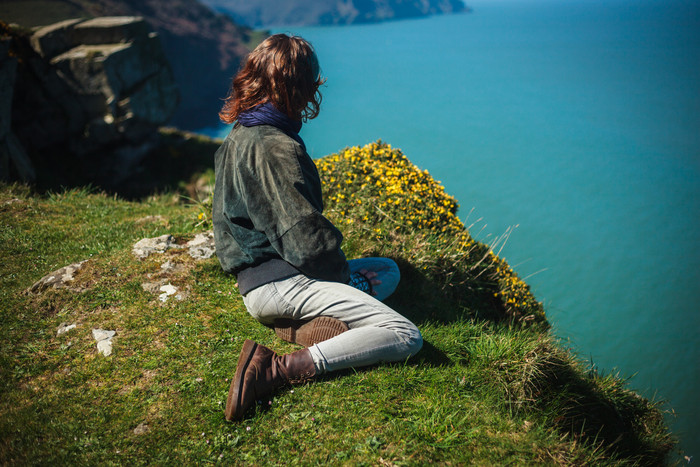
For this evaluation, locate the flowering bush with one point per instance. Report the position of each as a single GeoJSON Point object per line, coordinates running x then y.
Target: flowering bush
{"type": "Point", "coordinates": [390, 186]}
{"type": "Point", "coordinates": [375, 191]}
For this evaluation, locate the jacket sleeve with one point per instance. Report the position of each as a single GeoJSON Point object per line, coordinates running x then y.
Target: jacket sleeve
{"type": "Point", "coordinates": [281, 190]}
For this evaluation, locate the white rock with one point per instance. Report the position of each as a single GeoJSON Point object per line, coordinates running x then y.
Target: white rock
{"type": "Point", "coordinates": [202, 246]}
{"type": "Point", "coordinates": [201, 239]}
{"type": "Point", "coordinates": [64, 328]}
{"type": "Point", "coordinates": [168, 290]}
{"type": "Point", "coordinates": [105, 347]}
{"type": "Point", "coordinates": [57, 279]}
{"type": "Point", "coordinates": [146, 246]}
{"type": "Point", "coordinates": [101, 334]}
{"type": "Point", "coordinates": [141, 429]}
{"type": "Point", "coordinates": [104, 341]}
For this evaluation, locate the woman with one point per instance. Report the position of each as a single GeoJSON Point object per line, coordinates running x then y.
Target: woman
{"type": "Point", "coordinates": [270, 232]}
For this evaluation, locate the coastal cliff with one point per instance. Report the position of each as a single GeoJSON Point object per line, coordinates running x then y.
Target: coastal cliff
{"type": "Point", "coordinates": [266, 13]}
{"type": "Point", "coordinates": [121, 328]}
{"type": "Point", "coordinates": [203, 48]}
{"type": "Point", "coordinates": [87, 98]}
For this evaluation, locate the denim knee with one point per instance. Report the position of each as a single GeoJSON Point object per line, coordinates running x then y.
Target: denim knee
{"type": "Point", "coordinates": [413, 341]}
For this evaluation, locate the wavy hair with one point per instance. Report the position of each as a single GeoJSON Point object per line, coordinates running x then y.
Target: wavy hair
{"type": "Point", "coordinates": [282, 70]}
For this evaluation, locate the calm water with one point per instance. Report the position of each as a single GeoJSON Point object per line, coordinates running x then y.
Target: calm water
{"type": "Point", "coordinates": [579, 122]}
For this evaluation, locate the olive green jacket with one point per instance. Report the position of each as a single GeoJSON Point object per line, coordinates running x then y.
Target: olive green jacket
{"type": "Point", "coordinates": [268, 206]}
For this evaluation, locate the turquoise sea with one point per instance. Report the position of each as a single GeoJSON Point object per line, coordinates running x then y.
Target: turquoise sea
{"type": "Point", "coordinates": [572, 125]}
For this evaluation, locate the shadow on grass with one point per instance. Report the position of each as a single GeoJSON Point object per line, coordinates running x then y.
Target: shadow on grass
{"type": "Point", "coordinates": [430, 355]}
{"type": "Point", "coordinates": [599, 410]}
{"type": "Point", "coordinates": [423, 300]}
{"type": "Point", "coordinates": [590, 408]}
{"type": "Point", "coordinates": [173, 165]}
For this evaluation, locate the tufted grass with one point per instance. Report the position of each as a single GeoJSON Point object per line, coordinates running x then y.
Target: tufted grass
{"type": "Point", "coordinates": [492, 386]}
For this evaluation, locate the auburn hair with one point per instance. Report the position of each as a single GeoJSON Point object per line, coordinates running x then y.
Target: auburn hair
{"type": "Point", "coordinates": [282, 70]}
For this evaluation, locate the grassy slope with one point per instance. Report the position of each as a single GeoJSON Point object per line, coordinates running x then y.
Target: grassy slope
{"type": "Point", "coordinates": [491, 386]}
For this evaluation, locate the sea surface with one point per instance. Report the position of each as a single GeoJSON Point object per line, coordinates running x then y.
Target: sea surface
{"type": "Point", "coordinates": [572, 125]}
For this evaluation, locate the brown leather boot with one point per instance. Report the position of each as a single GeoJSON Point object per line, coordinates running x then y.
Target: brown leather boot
{"type": "Point", "coordinates": [308, 333]}
{"type": "Point", "coordinates": [260, 371]}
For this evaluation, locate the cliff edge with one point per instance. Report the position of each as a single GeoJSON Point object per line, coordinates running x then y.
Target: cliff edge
{"type": "Point", "coordinates": [129, 347]}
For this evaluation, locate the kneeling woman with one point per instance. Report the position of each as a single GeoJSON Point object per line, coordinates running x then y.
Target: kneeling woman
{"type": "Point", "coordinates": [270, 232]}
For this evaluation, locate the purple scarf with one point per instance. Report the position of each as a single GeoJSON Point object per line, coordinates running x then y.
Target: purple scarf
{"type": "Point", "coordinates": [267, 114]}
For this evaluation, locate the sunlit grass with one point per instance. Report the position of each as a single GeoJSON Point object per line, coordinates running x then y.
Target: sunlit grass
{"type": "Point", "coordinates": [491, 386]}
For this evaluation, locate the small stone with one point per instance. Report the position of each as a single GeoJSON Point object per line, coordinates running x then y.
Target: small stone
{"type": "Point", "coordinates": [167, 290]}
{"type": "Point", "coordinates": [101, 334]}
{"type": "Point", "coordinates": [57, 279]}
{"type": "Point", "coordinates": [141, 429]}
{"type": "Point", "coordinates": [146, 246]}
{"type": "Point", "coordinates": [105, 347]}
{"type": "Point", "coordinates": [104, 341]}
{"type": "Point", "coordinates": [64, 328]}
{"type": "Point", "coordinates": [202, 246]}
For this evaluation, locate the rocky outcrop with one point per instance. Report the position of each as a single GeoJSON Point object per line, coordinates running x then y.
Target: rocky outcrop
{"type": "Point", "coordinates": [103, 338]}
{"type": "Point", "coordinates": [200, 247]}
{"type": "Point", "coordinates": [14, 162]}
{"type": "Point", "coordinates": [89, 97]}
{"type": "Point", "coordinates": [147, 246]}
{"type": "Point", "coordinates": [267, 13]}
{"type": "Point", "coordinates": [59, 279]}
{"type": "Point", "coordinates": [204, 49]}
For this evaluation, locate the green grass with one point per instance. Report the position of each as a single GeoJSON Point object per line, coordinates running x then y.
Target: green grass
{"type": "Point", "coordinates": [491, 387]}
{"type": "Point", "coordinates": [253, 37]}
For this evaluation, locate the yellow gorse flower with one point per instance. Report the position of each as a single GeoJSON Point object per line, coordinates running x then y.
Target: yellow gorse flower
{"type": "Point", "coordinates": [384, 176]}
{"type": "Point", "coordinates": [377, 185]}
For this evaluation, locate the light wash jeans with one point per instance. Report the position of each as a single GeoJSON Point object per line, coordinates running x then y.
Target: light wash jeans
{"type": "Point", "coordinates": [377, 333]}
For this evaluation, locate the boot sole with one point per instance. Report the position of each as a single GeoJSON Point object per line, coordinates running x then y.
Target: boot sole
{"type": "Point", "coordinates": [233, 402]}
{"type": "Point", "coordinates": [308, 333]}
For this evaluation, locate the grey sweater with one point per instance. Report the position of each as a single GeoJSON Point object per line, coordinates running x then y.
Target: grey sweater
{"type": "Point", "coordinates": [267, 211]}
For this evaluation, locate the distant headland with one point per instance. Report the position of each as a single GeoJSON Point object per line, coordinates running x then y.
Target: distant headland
{"type": "Point", "coordinates": [271, 13]}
